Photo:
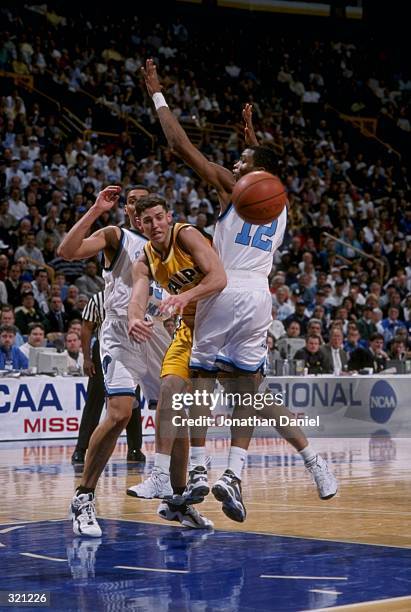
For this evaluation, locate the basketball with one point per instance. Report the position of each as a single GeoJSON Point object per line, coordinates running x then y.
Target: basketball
{"type": "Point", "coordinates": [259, 197]}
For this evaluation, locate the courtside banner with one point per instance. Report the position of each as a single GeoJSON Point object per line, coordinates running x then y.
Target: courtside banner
{"type": "Point", "coordinates": [41, 407]}
{"type": "Point", "coordinates": [332, 407]}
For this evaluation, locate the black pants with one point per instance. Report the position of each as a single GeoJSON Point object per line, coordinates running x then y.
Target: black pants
{"type": "Point", "coordinates": [94, 406]}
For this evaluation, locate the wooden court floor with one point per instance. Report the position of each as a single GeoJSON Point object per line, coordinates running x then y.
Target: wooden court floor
{"type": "Point", "coordinates": [373, 505]}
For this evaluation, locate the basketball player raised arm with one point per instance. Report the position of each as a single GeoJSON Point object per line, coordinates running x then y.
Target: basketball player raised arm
{"type": "Point", "coordinates": [78, 245]}
{"type": "Point", "coordinates": [249, 133]}
{"type": "Point", "coordinates": [221, 178]}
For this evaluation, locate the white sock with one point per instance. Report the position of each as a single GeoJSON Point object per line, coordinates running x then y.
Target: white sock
{"type": "Point", "coordinates": [308, 454]}
{"type": "Point", "coordinates": [162, 462]}
{"type": "Point", "coordinates": [236, 460]}
{"type": "Point", "coordinates": [197, 456]}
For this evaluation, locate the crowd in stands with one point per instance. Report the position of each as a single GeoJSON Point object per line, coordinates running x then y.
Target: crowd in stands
{"type": "Point", "coordinates": [339, 183]}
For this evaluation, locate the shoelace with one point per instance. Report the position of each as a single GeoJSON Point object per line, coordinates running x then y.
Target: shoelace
{"type": "Point", "coordinates": [89, 509]}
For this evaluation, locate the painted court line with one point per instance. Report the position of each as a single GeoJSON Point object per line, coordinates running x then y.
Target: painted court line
{"type": "Point", "coordinates": [371, 604]}
{"type": "Point", "coordinates": [150, 569]}
{"type": "Point", "coordinates": [12, 528]}
{"type": "Point", "coordinates": [305, 577]}
{"type": "Point", "coordinates": [43, 557]}
{"type": "Point", "coordinates": [326, 592]}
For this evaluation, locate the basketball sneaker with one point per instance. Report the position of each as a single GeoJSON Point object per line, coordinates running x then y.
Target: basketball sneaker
{"type": "Point", "coordinates": [227, 489]}
{"type": "Point", "coordinates": [186, 515]}
{"type": "Point", "coordinates": [82, 512]}
{"type": "Point", "coordinates": [197, 486]}
{"type": "Point", "coordinates": [157, 485]}
{"type": "Point", "coordinates": [324, 479]}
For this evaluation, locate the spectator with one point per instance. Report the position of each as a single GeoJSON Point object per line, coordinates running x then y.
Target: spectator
{"type": "Point", "coordinates": [30, 251]}
{"type": "Point", "coordinates": [89, 283]}
{"type": "Point", "coordinates": [398, 349]}
{"type": "Point", "coordinates": [388, 327]}
{"type": "Point", "coordinates": [298, 316]}
{"type": "Point", "coordinates": [373, 357]}
{"type": "Point", "coordinates": [12, 283]}
{"type": "Point", "coordinates": [11, 357]}
{"type": "Point", "coordinates": [354, 339]}
{"type": "Point", "coordinates": [41, 289]}
{"type": "Point", "coordinates": [314, 359]}
{"type": "Point", "coordinates": [7, 317]}
{"type": "Point", "coordinates": [73, 346]}
{"type": "Point", "coordinates": [36, 338]}
{"type": "Point", "coordinates": [56, 320]}
{"type": "Point", "coordinates": [3, 293]}
{"type": "Point", "coordinates": [27, 313]}
{"type": "Point", "coordinates": [335, 355]}
{"type": "Point", "coordinates": [280, 300]}
{"type": "Point", "coordinates": [366, 326]}
{"type": "Point", "coordinates": [276, 328]}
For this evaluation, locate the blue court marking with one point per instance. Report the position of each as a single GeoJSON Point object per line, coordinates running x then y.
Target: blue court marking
{"type": "Point", "coordinates": [175, 569]}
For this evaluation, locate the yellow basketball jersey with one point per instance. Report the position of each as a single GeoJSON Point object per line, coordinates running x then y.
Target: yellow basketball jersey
{"type": "Point", "coordinates": [175, 270]}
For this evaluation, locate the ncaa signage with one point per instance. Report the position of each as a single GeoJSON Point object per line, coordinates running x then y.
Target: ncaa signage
{"type": "Point", "coordinates": [383, 401]}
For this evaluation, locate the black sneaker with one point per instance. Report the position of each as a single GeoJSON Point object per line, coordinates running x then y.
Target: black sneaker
{"type": "Point", "coordinates": [197, 486]}
{"type": "Point", "coordinates": [78, 457]}
{"type": "Point", "coordinates": [227, 490]}
{"type": "Point", "coordinates": [136, 455]}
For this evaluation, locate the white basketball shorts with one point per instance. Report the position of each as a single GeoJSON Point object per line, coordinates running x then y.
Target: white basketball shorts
{"type": "Point", "coordinates": [127, 363]}
{"type": "Point", "coordinates": [230, 329]}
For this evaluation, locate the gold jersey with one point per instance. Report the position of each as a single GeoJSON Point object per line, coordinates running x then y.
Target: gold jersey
{"type": "Point", "coordinates": [175, 270]}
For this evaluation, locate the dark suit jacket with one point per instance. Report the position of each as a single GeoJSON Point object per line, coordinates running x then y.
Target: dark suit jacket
{"type": "Point", "coordinates": [362, 358]}
{"type": "Point", "coordinates": [52, 324]}
{"type": "Point", "coordinates": [315, 362]}
{"type": "Point", "coordinates": [327, 352]}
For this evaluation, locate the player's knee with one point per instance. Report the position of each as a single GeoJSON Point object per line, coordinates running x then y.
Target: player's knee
{"type": "Point", "coordinates": [119, 410]}
{"type": "Point", "coordinates": [170, 385]}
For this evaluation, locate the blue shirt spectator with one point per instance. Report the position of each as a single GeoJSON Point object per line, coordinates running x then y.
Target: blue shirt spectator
{"type": "Point", "coordinates": [11, 357]}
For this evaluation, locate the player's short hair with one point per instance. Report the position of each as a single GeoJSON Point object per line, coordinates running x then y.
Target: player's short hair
{"type": "Point", "coordinates": [150, 201]}
{"type": "Point", "coordinates": [264, 157]}
{"type": "Point", "coordinates": [134, 187]}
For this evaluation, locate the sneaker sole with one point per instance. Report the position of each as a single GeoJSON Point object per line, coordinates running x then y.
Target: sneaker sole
{"type": "Point", "coordinates": [231, 508]}
{"type": "Point", "coordinates": [329, 496]}
{"type": "Point", "coordinates": [134, 494]}
{"type": "Point", "coordinates": [197, 495]}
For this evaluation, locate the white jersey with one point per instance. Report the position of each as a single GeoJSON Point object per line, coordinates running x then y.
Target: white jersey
{"type": "Point", "coordinates": [244, 246]}
{"type": "Point", "coordinates": [119, 280]}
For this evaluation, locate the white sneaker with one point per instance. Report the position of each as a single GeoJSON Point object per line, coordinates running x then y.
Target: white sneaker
{"type": "Point", "coordinates": [157, 485]}
{"type": "Point", "coordinates": [82, 512]}
{"type": "Point", "coordinates": [186, 515]}
{"type": "Point", "coordinates": [324, 479]}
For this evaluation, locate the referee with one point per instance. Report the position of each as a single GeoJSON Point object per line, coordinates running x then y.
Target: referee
{"type": "Point", "coordinates": [93, 316]}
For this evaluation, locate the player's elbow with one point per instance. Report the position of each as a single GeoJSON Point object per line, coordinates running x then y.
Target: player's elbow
{"type": "Point", "coordinates": [63, 252]}
{"type": "Point", "coordinates": [221, 281]}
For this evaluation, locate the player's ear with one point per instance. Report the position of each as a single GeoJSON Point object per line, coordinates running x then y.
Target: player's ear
{"type": "Point", "coordinates": [139, 225]}
{"type": "Point", "coordinates": [170, 217]}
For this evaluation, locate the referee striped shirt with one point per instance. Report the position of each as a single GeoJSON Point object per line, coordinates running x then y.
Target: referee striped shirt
{"type": "Point", "coordinates": [94, 310]}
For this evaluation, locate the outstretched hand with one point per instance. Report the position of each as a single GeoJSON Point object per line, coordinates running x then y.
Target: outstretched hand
{"type": "Point", "coordinates": [151, 77]}
{"type": "Point", "coordinates": [108, 197]}
{"type": "Point", "coordinates": [249, 134]}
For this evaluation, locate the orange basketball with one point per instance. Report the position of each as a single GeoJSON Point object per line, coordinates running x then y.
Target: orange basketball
{"type": "Point", "coordinates": [259, 197]}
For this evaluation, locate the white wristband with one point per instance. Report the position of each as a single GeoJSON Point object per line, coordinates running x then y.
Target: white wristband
{"type": "Point", "coordinates": [159, 100]}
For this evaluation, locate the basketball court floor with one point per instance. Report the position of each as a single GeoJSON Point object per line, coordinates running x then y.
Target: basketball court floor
{"type": "Point", "coordinates": [293, 553]}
